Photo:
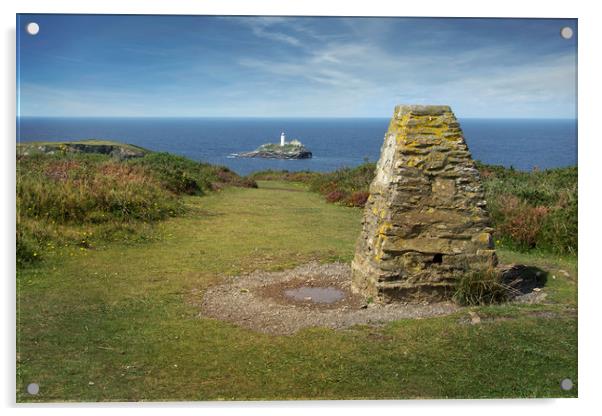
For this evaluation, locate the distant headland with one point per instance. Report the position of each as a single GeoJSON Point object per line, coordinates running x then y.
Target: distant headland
{"type": "Point", "coordinates": [106, 147]}
{"type": "Point", "coordinates": [285, 150]}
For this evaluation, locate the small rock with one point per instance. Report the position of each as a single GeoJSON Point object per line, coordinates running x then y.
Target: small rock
{"type": "Point", "coordinates": [244, 290]}
{"type": "Point", "coordinates": [90, 383]}
{"type": "Point", "coordinates": [307, 298]}
{"type": "Point", "coordinates": [536, 289]}
{"type": "Point", "coordinates": [564, 273]}
{"type": "Point", "coordinates": [475, 319]}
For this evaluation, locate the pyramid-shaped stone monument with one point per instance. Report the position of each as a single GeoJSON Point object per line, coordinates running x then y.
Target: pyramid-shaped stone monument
{"type": "Point", "coordinates": [425, 223]}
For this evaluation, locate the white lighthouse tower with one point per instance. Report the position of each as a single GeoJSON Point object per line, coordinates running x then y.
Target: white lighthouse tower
{"type": "Point", "coordinates": [282, 139]}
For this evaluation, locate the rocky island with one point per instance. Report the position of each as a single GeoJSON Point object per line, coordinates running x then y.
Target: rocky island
{"type": "Point", "coordinates": [285, 150]}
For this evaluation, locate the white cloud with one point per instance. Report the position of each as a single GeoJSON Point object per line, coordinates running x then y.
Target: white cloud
{"type": "Point", "coordinates": [262, 27]}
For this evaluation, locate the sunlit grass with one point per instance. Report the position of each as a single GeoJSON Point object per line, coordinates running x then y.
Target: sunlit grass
{"type": "Point", "coordinates": [117, 321]}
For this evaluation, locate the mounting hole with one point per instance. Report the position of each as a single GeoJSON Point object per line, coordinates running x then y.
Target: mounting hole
{"type": "Point", "coordinates": [566, 32]}
{"type": "Point", "coordinates": [566, 384]}
{"type": "Point", "coordinates": [32, 28]}
{"type": "Point", "coordinates": [33, 388]}
{"type": "Point", "coordinates": [438, 258]}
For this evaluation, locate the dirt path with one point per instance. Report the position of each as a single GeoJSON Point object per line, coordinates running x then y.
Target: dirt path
{"type": "Point", "coordinates": [258, 301]}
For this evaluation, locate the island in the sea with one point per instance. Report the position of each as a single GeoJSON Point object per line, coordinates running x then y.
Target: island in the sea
{"type": "Point", "coordinates": [293, 149]}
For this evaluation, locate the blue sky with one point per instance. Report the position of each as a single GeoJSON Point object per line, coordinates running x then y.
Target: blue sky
{"type": "Point", "coordinates": [202, 66]}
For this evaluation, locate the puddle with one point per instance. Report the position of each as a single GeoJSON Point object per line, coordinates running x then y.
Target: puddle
{"type": "Point", "coordinates": [315, 294]}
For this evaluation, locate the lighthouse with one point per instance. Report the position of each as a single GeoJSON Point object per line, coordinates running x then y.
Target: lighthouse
{"type": "Point", "coordinates": [282, 139]}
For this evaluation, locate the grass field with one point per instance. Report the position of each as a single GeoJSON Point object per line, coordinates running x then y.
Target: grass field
{"type": "Point", "coordinates": [116, 322]}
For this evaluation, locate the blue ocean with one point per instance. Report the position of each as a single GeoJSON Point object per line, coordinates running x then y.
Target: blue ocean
{"type": "Point", "coordinates": [335, 142]}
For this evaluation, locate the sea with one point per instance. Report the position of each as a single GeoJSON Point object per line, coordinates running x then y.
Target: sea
{"type": "Point", "coordinates": [524, 144]}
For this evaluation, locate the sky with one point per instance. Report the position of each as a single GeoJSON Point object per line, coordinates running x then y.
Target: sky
{"type": "Point", "coordinates": [223, 66]}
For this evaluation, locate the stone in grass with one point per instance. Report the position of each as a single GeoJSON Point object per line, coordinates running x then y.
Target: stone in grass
{"type": "Point", "coordinates": [425, 222]}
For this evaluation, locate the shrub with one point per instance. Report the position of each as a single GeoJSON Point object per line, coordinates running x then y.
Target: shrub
{"type": "Point", "coordinates": [520, 221]}
{"type": "Point", "coordinates": [184, 176]}
{"type": "Point", "coordinates": [559, 230]}
{"type": "Point", "coordinates": [358, 198]}
{"type": "Point", "coordinates": [175, 173]}
{"type": "Point", "coordinates": [28, 248]}
{"type": "Point", "coordinates": [480, 287]}
{"type": "Point", "coordinates": [533, 209]}
{"type": "Point", "coordinates": [335, 196]}
{"type": "Point", "coordinates": [96, 191]}
{"type": "Point", "coordinates": [346, 180]}
{"type": "Point", "coordinates": [221, 176]}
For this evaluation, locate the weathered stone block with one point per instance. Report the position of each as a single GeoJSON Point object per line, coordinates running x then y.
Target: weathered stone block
{"type": "Point", "coordinates": [425, 223]}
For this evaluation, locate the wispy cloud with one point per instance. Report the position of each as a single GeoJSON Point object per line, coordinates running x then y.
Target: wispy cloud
{"type": "Point", "coordinates": [488, 77]}
{"type": "Point", "coordinates": [263, 27]}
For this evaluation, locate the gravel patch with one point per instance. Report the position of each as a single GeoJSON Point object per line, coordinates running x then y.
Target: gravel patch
{"type": "Point", "coordinates": [258, 301]}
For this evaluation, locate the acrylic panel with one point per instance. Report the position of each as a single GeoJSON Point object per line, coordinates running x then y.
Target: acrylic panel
{"type": "Point", "coordinates": [288, 207]}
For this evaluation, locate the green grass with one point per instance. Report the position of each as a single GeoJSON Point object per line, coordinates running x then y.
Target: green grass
{"type": "Point", "coordinates": [121, 316]}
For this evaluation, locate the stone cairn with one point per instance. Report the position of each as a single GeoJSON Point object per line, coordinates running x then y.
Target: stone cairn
{"type": "Point", "coordinates": [425, 223]}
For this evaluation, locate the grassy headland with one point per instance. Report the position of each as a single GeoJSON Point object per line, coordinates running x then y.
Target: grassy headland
{"type": "Point", "coordinates": [84, 198]}
{"type": "Point", "coordinates": [113, 319]}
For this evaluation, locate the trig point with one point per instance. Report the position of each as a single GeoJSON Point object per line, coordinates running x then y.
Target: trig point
{"type": "Point", "coordinates": [425, 223]}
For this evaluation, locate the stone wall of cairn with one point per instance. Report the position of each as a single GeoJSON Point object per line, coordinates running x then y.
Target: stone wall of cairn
{"type": "Point", "coordinates": [425, 223]}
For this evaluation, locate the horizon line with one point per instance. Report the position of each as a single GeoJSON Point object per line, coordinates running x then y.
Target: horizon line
{"type": "Point", "coordinates": [282, 117]}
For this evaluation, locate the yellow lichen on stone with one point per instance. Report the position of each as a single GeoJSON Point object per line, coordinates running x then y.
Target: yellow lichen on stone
{"type": "Point", "coordinates": [413, 161]}
{"type": "Point", "coordinates": [384, 228]}
{"type": "Point", "coordinates": [483, 239]}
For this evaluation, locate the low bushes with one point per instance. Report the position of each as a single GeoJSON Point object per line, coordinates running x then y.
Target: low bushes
{"type": "Point", "coordinates": [346, 186]}
{"type": "Point", "coordinates": [184, 176]}
{"type": "Point", "coordinates": [535, 209]}
{"type": "Point", "coordinates": [89, 189]}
